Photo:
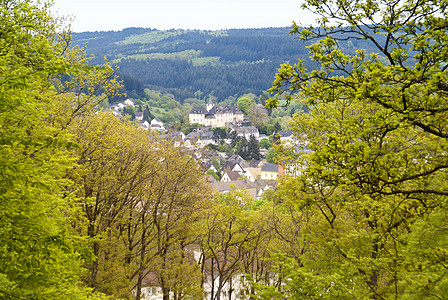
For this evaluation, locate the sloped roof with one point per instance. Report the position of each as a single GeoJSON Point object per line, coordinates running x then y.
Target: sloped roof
{"type": "Point", "coordinates": [270, 168]}
{"type": "Point", "coordinates": [198, 110]}
{"type": "Point", "coordinates": [211, 179]}
{"type": "Point", "coordinates": [254, 163]}
{"type": "Point", "coordinates": [229, 164]}
{"type": "Point", "coordinates": [175, 135]}
{"type": "Point", "coordinates": [236, 158]}
{"type": "Point", "coordinates": [285, 133]}
{"type": "Point", "coordinates": [254, 171]}
{"type": "Point", "coordinates": [223, 109]}
{"type": "Point", "coordinates": [223, 187]}
{"type": "Point", "coordinates": [199, 135]}
{"type": "Point", "coordinates": [247, 130]}
{"type": "Point", "coordinates": [217, 109]}
{"type": "Point", "coordinates": [233, 175]}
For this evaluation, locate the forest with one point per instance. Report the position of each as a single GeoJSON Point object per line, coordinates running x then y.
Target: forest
{"type": "Point", "coordinates": [224, 64]}
{"type": "Point", "coordinates": [93, 207]}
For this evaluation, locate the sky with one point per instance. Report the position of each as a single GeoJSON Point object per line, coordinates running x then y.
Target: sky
{"type": "Point", "coordinates": [104, 15]}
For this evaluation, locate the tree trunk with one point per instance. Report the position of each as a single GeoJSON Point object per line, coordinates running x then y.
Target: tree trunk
{"type": "Point", "coordinates": [212, 293]}
{"type": "Point", "coordinates": [230, 289]}
{"type": "Point", "coordinates": [141, 271]}
{"type": "Point", "coordinates": [165, 289]}
{"type": "Point", "coordinates": [96, 251]}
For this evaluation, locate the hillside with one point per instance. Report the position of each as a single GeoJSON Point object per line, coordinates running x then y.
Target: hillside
{"type": "Point", "coordinates": [194, 63]}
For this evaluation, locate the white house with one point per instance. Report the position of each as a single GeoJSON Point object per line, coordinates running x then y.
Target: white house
{"type": "Point", "coordinates": [146, 125]}
{"type": "Point", "coordinates": [230, 176]}
{"type": "Point", "coordinates": [129, 102]}
{"type": "Point", "coordinates": [156, 124]}
{"type": "Point", "coordinates": [139, 115]}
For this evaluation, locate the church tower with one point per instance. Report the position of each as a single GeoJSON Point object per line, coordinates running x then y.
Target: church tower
{"type": "Point", "coordinates": [210, 105]}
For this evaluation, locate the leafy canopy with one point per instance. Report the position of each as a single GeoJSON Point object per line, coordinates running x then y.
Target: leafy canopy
{"type": "Point", "coordinates": [39, 257]}
{"type": "Point", "coordinates": [374, 151]}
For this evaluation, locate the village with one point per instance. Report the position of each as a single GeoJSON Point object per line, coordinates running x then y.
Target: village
{"type": "Point", "coordinates": [253, 176]}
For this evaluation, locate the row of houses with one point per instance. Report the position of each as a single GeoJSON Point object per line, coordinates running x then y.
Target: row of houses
{"type": "Point", "coordinates": [255, 177]}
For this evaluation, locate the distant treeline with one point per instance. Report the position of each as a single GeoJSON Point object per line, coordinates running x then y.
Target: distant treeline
{"type": "Point", "coordinates": [234, 61]}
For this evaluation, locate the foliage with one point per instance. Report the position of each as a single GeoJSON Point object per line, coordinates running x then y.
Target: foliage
{"type": "Point", "coordinates": [228, 231]}
{"type": "Point", "coordinates": [372, 170]}
{"type": "Point", "coordinates": [224, 63]}
{"type": "Point", "coordinates": [140, 197]}
{"type": "Point", "coordinates": [272, 155]}
{"type": "Point", "coordinates": [258, 115]}
{"type": "Point", "coordinates": [219, 133]}
{"type": "Point", "coordinates": [40, 257]}
{"type": "Point", "coordinates": [244, 103]}
{"type": "Point", "coordinates": [264, 143]}
{"type": "Point", "coordinates": [253, 149]}
{"type": "Point", "coordinates": [213, 173]}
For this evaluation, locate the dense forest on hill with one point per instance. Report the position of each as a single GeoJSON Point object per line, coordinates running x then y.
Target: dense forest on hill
{"type": "Point", "coordinates": [184, 62]}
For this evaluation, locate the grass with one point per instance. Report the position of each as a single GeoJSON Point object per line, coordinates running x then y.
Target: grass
{"type": "Point", "coordinates": [183, 55]}
{"type": "Point", "coordinates": [148, 37]}
{"type": "Point", "coordinates": [201, 61]}
{"type": "Point", "coordinates": [155, 36]}
{"type": "Point", "coordinates": [194, 56]}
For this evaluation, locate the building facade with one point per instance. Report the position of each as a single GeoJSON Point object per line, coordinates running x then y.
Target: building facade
{"type": "Point", "coordinates": [216, 115]}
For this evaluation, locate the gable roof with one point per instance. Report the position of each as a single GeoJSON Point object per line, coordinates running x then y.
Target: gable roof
{"type": "Point", "coordinates": [233, 175]}
{"type": "Point", "coordinates": [175, 136]}
{"type": "Point", "coordinates": [235, 158]}
{"type": "Point", "coordinates": [199, 135]}
{"type": "Point", "coordinates": [211, 179]}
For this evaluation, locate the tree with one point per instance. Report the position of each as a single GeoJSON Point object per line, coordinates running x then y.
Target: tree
{"type": "Point", "coordinates": [410, 64]}
{"type": "Point", "coordinates": [244, 103]}
{"type": "Point", "coordinates": [228, 232]}
{"type": "Point", "coordinates": [241, 147]}
{"type": "Point", "coordinates": [258, 115]}
{"type": "Point", "coordinates": [112, 167]}
{"type": "Point", "coordinates": [173, 199]}
{"type": "Point", "coordinates": [141, 198]}
{"type": "Point", "coordinates": [129, 110]}
{"type": "Point", "coordinates": [211, 172]}
{"type": "Point", "coordinates": [277, 127]}
{"type": "Point", "coordinates": [219, 133]}
{"type": "Point", "coordinates": [264, 143]}
{"type": "Point", "coordinates": [40, 257]}
{"type": "Point", "coordinates": [373, 170]}
{"type": "Point", "coordinates": [272, 155]}
{"type": "Point", "coordinates": [234, 138]}
{"type": "Point", "coordinates": [147, 116]}
{"type": "Point", "coordinates": [253, 149]}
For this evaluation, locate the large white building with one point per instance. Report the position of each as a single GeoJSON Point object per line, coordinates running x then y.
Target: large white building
{"type": "Point", "coordinates": [216, 115]}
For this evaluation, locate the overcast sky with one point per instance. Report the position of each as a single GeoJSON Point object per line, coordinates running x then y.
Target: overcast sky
{"type": "Point", "coordinates": [93, 15]}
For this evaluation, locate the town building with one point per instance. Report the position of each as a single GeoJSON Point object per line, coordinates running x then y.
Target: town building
{"type": "Point", "coordinates": [216, 115]}
{"type": "Point", "coordinates": [270, 172]}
